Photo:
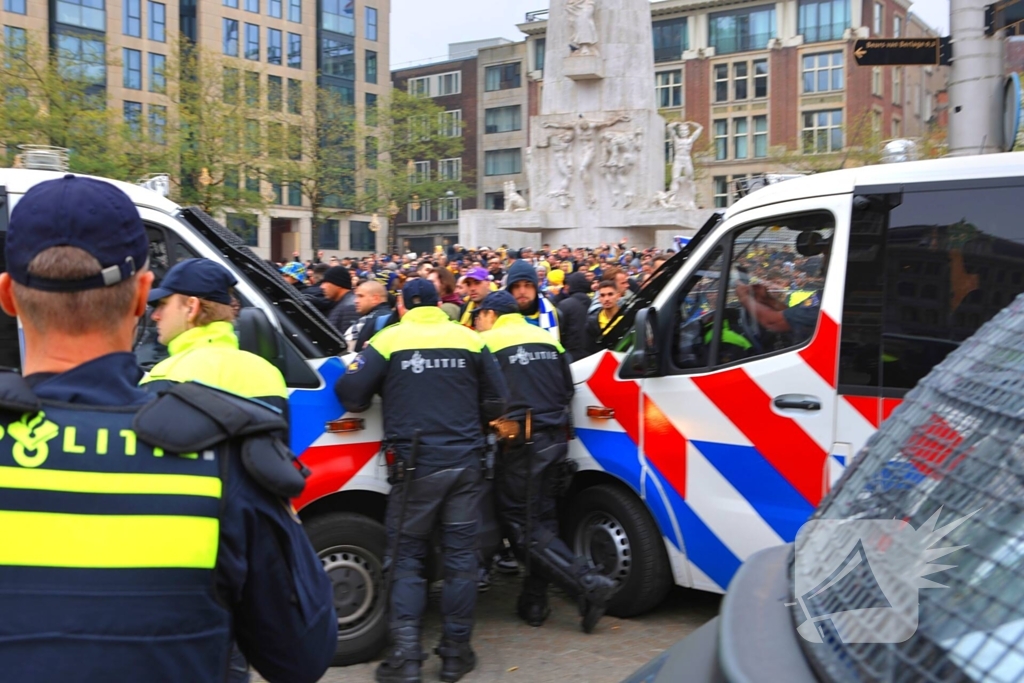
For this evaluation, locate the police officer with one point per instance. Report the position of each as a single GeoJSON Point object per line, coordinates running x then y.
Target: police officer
{"type": "Point", "coordinates": [440, 386]}
{"type": "Point", "coordinates": [194, 311]}
{"type": "Point", "coordinates": [144, 510]}
{"type": "Point", "coordinates": [540, 382]}
{"type": "Point", "coordinates": [194, 314]}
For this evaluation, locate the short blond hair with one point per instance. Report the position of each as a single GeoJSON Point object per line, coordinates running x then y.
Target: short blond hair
{"type": "Point", "coordinates": [101, 309]}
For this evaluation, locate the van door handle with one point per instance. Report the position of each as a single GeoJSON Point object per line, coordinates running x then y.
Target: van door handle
{"type": "Point", "coordinates": [797, 402]}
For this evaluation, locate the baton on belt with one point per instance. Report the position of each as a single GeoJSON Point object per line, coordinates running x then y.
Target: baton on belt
{"type": "Point", "coordinates": [404, 472]}
{"type": "Point", "coordinates": [529, 489]}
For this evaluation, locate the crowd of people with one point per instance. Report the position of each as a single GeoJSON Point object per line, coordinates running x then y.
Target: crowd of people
{"type": "Point", "coordinates": [576, 294]}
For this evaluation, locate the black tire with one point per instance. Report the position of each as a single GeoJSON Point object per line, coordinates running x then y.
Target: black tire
{"type": "Point", "coordinates": [610, 526]}
{"type": "Point", "coordinates": [352, 548]}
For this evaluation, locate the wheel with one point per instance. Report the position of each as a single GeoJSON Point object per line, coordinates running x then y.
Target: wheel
{"type": "Point", "coordinates": [610, 527]}
{"type": "Point", "coordinates": [351, 548]}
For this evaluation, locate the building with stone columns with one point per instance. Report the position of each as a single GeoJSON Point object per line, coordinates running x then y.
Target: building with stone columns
{"type": "Point", "coordinates": [285, 44]}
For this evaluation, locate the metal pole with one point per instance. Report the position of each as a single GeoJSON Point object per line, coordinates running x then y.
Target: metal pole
{"type": "Point", "coordinates": [975, 82]}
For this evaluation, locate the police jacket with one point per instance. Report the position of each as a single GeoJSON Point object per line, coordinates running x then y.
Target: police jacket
{"type": "Point", "coordinates": [536, 369]}
{"type": "Point", "coordinates": [210, 355]}
{"type": "Point", "coordinates": [435, 377]}
{"type": "Point", "coordinates": [139, 537]}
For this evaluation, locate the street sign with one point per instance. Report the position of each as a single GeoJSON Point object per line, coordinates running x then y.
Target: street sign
{"type": "Point", "coordinates": [903, 52]}
{"type": "Point", "coordinates": [1003, 14]}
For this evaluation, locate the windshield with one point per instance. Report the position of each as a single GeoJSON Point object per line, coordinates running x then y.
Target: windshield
{"type": "Point", "coordinates": [922, 545]}
{"type": "Point", "coordinates": [654, 285]}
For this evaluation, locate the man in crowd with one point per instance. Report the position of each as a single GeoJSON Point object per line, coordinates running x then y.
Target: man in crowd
{"type": "Point", "coordinates": [574, 310]}
{"type": "Point", "coordinates": [522, 284]}
{"type": "Point", "coordinates": [294, 273]}
{"type": "Point", "coordinates": [478, 286]}
{"type": "Point", "coordinates": [601, 320]}
{"type": "Point", "coordinates": [372, 305]}
{"type": "Point", "coordinates": [337, 286]}
{"type": "Point", "coordinates": [540, 385]}
{"type": "Point", "coordinates": [410, 365]}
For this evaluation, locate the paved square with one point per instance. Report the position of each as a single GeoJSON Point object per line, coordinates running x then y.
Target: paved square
{"type": "Point", "coordinates": [509, 650]}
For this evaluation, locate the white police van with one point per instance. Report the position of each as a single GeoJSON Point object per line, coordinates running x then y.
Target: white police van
{"type": "Point", "coordinates": [718, 432]}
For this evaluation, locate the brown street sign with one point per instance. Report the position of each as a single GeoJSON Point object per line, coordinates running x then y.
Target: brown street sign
{"type": "Point", "coordinates": [902, 52]}
{"type": "Point", "coordinates": [1001, 15]}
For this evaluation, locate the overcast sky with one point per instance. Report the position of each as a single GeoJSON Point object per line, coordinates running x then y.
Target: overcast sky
{"type": "Point", "coordinates": [422, 29]}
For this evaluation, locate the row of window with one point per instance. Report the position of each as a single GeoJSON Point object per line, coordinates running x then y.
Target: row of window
{"type": "Point", "coordinates": [500, 77]}
{"type": "Point", "coordinates": [250, 84]}
{"type": "Point", "coordinates": [448, 209]}
{"type": "Point", "coordinates": [131, 24]}
{"type": "Point", "coordinates": [751, 28]}
{"type": "Point", "coordinates": [739, 81]}
{"type": "Point", "coordinates": [133, 71]}
{"type": "Point", "coordinates": [246, 226]}
{"type": "Point", "coordinates": [157, 120]}
{"type": "Point", "coordinates": [252, 44]}
{"type": "Point", "coordinates": [339, 16]}
{"type": "Point", "coordinates": [274, 8]}
{"type": "Point", "coordinates": [447, 169]}
{"type": "Point", "coordinates": [734, 141]}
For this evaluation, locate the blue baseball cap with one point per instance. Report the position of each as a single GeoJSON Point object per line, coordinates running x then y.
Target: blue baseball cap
{"type": "Point", "coordinates": [92, 215]}
{"type": "Point", "coordinates": [500, 302]}
{"type": "Point", "coordinates": [418, 293]}
{"type": "Point", "coordinates": [198, 277]}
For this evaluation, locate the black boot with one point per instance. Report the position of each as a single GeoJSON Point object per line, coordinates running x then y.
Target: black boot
{"type": "Point", "coordinates": [532, 606]}
{"type": "Point", "coordinates": [402, 665]}
{"type": "Point", "coordinates": [457, 660]}
{"type": "Point", "coordinates": [597, 591]}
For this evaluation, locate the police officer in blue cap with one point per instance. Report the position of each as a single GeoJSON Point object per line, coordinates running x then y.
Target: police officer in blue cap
{"type": "Point", "coordinates": [437, 447]}
{"type": "Point", "coordinates": [194, 313]}
{"type": "Point", "coordinates": [533, 464]}
{"type": "Point", "coordinates": [136, 541]}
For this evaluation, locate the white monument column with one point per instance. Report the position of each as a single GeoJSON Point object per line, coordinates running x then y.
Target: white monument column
{"type": "Point", "coordinates": [597, 162]}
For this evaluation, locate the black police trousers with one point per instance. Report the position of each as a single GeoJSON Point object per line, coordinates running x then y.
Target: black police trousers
{"type": "Point", "coordinates": [451, 496]}
{"type": "Point", "coordinates": [550, 557]}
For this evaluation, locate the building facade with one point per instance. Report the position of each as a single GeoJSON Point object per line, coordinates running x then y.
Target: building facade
{"type": "Point", "coordinates": [279, 50]}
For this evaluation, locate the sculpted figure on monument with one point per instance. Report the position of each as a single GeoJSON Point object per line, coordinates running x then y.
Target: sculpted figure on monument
{"type": "Point", "coordinates": [682, 192]}
{"type": "Point", "coordinates": [620, 155]}
{"type": "Point", "coordinates": [561, 150]}
{"type": "Point", "coordinates": [513, 200]}
{"type": "Point", "coordinates": [584, 27]}
{"type": "Point", "coordinates": [586, 131]}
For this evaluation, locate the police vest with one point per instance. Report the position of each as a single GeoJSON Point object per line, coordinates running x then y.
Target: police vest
{"type": "Point", "coordinates": [210, 355]}
{"type": "Point", "coordinates": [537, 373]}
{"type": "Point", "coordinates": [109, 536]}
{"type": "Point", "coordinates": [432, 384]}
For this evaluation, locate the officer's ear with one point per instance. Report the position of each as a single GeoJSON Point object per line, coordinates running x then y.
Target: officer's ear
{"type": "Point", "coordinates": [194, 308]}
{"type": "Point", "coordinates": [142, 293]}
{"type": "Point", "coordinates": [7, 295]}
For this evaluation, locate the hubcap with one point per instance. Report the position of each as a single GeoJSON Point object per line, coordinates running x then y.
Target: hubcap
{"type": "Point", "coordinates": [356, 576]}
{"type": "Point", "coordinates": [601, 539]}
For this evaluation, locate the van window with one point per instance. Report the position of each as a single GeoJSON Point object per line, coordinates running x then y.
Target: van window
{"type": "Point", "coordinates": [926, 269]}
{"type": "Point", "coordinates": [766, 300]}
{"type": "Point", "coordinates": [954, 258]}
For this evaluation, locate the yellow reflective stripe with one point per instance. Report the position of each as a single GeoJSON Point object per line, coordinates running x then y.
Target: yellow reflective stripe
{"type": "Point", "coordinates": [109, 482]}
{"type": "Point", "coordinates": [47, 539]}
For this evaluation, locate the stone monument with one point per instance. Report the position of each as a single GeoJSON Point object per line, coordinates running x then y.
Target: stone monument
{"type": "Point", "coordinates": [596, 161]}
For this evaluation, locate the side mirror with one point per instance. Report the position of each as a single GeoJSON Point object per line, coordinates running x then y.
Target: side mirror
{"type": "Point", "coordinates": [257, 335]}
{"type": "Point", "coordinates": [645, 358]}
